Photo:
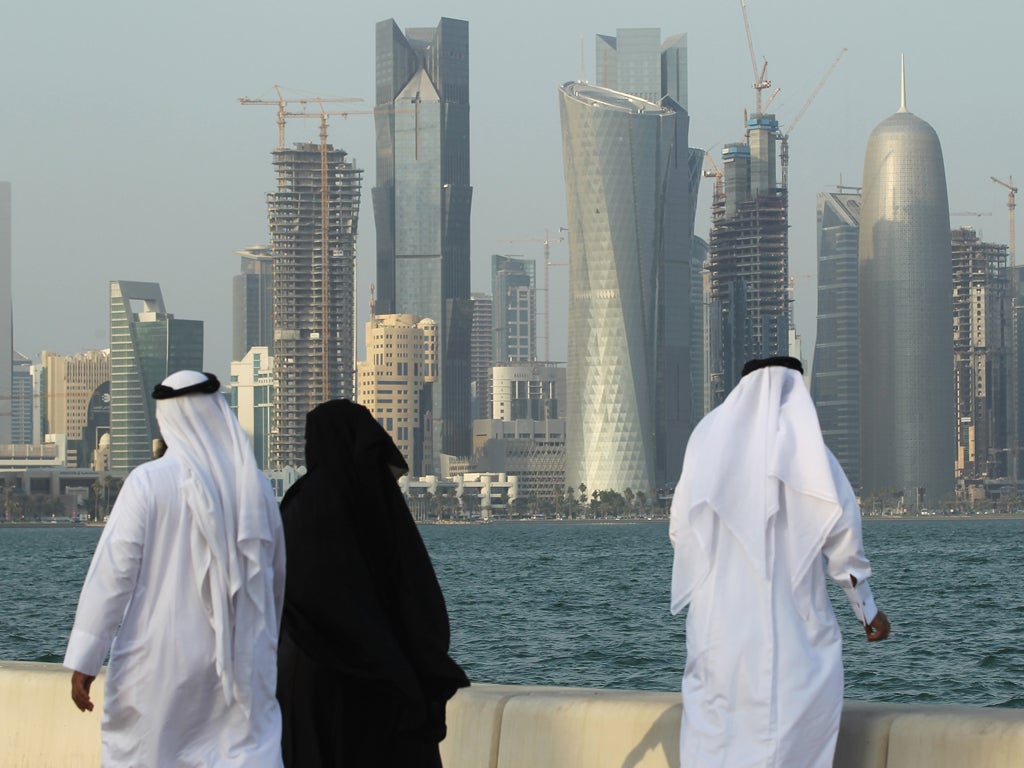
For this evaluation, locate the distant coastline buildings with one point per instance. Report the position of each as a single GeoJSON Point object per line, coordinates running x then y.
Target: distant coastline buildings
{"type": "Point", "coordinates": [422, 202]}
{"type": "Point", "coordinates": [6, 314]}
{"type": "Point", "coordinates": [906, 317]}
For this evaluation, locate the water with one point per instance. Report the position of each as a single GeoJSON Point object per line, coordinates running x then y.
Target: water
{"type": "Point", "coordinates": [582, 604]}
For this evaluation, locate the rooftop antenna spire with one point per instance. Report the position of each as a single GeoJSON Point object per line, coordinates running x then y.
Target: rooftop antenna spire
{"type": "Point", "coordinates": [903, 86]}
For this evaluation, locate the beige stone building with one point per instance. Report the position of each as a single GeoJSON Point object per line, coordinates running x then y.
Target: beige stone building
{"type": "Point", "coordinates": [394, 382]}
{"type": "Point", "coordinates": [71, 381]}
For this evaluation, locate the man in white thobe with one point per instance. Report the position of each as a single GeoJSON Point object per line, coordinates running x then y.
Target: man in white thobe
{"type": "Point", "coordinates": [761, 513]}
{"type": "Point", "coordinates": [191, 567]}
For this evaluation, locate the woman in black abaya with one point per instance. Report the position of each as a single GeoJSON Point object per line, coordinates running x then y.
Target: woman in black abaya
{"type": "Point", "coordinates": [363, 666]}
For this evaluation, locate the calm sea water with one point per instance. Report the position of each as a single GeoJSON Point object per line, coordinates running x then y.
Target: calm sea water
{"type": "Point", "coordinates": [587, 605]}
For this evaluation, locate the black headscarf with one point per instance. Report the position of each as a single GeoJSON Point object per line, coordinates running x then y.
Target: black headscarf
{"type": "Point", "coordinates": [361, 594]}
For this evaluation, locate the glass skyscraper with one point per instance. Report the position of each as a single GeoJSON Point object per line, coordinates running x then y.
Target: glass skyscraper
{"type": "Point", "coordinates": [514, 288]}
{"type": "Point", "coordinates": [252, 321]}
{"type": "Point", "coordinates": [906, 316]}
{"type": "Point", "coordinates": [835, 377]}
{"type": "Point", "coordinates": [146, 345]}
{"type": "Point", "coordinates": [421, 204]}
{"type": "Point", "coordinates": [629, 408]}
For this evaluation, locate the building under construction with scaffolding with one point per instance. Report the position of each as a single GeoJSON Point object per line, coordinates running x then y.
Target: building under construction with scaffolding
{"type": "Point", "coordinates": [748, 257]}
{"type": "Point", "coordinates": [313, 217]}
{"type": "Point", "coordinates": [981, 358]}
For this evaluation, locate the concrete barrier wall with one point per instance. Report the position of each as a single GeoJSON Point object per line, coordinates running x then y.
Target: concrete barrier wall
{"type": "Point", "coordinates": [506, 726]}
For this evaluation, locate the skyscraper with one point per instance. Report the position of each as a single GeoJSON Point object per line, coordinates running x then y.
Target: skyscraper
{"type": "Point", "coordinates": [481, 354]}
{"type": "Point", "coordinates": [748, 256]}
{"type": "Point", "coordinates": [906, 316]}
{"type": "Point", "coordinates": [514, 291]}
{"type": "Point", "coordinates": [146, 345]}
{"type": "Point", "coordinates": [252, 320]}
{"type": "Point", "coordinates": [630, 238]}
{"type": "Point", "coordinates": [314, 216]}
{"type": "Point", "coordinates": [252, 399]}
{"type": "Point", "coordinates": [422, 200]}
{"type": "Point", "coordinates": [981, 357]}
{"type": "Point", "coordinates": [6, 314]}
{"type": "Point", "coordinates": [835, 377]}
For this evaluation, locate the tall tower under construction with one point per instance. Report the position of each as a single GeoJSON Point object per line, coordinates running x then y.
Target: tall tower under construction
{"type": "Point", "coordinates": [748, 257]}
{"type": "Point", "coordinates": [906, 318]}
{"type": "Point", "coordinates": [313, 216]}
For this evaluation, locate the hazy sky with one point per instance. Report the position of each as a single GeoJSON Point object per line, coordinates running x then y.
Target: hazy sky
{"type": "Point", "coordinates": [131, 158]}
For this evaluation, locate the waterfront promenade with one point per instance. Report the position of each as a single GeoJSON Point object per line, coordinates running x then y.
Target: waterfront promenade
{"type": "Point", "coordinates": [504, 726]}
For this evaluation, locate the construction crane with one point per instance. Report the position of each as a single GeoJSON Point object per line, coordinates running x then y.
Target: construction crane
{"type": "Point", "coordinates": [970, 213]}
{"type": "Point", "coordinates": [282, 108]}
{"type": "Point", "coordinates": [784, 137]}
{"type": "Point", "coordinates": [547, 240]}
{"type": "Point", "coordinates": [713, 172]}
{"type": "Point", "coordinates": [760, 82]}
{"type": "Point", "coordinates": [1011, 204]}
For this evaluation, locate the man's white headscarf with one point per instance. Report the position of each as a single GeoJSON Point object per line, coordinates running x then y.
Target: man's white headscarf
{"type": "Point", "coordinates": [233, 517]}
{"type": "Point", "coordinates": [760, 447]}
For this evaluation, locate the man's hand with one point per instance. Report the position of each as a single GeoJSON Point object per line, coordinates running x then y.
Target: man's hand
{"type": "Point", "coordinates": [878, 629]}
{"type": "Point", "coordinates": [80, 685]}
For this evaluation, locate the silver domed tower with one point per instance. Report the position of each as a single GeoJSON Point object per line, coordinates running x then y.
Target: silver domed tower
{"type": "Point", "coordinates": [906, 317]}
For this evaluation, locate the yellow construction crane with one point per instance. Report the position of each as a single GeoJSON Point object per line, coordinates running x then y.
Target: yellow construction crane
{"type": "Point", "coordinates": [970, 213]}
{"type": "Point", "coordinates": [760, 82]}
{"type": "Point", "coordinates": [1011, 204]}
{"type": "Point", "coordinates": [784, 137]}
{"type": "Point", "coordinates": [282, 107]}
{"type": "Point", "coordinates": [713, 172]}
{"type": "Point", "coordinates": [547, 240]}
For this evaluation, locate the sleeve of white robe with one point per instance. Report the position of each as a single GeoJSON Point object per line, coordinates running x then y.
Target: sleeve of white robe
{"type": "Point", "coordinates": [109, 583]}
{"type": "Point", "coordinates": [844, 551]}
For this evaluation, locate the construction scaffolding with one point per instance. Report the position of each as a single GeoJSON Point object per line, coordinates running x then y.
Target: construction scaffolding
{"type": "Point", "coordinates": [313, 218]}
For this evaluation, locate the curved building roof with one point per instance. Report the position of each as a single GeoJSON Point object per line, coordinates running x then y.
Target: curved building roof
{"type": "Point", "coordinates": [595, 95]}
{"type": "Point", "coordinates": [905, 313]}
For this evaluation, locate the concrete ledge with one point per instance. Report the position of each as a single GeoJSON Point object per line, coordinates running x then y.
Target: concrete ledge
{"type": "Point", "coordinates": [40, 727]}
{"type": "Point", "coordinates": [506, 726]}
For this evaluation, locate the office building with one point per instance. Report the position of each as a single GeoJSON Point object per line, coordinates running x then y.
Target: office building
{"type": "Point", "coordinates": [314, 216]}
{"type": "Point", "coordinates": [396, 383]}
{"type": "Point", "coordinates": [629, 408]}
{"type": "Point", "coordinates": [252, 399]}
{"type": "Point", "coordinates": [835, 376]}
{"type": "Point", "coordinates": [71, 383]}
{"type": "Point", "coordinates": [905, 308]}
{"type": "Point", "coordinates": [421, 204]}
{"type": "Point", "coordinates": [6, 313]}
{"type": "Point", "coordinates": [22, 400]}
{"type": "Point", "coordinates": [147, 344]}
{"type": "Point", "coordinates": [252, 302]}
{"type": "Point", "coordinates": [981, 358]}
{"type": "Point", "coordinates": [514, 288]}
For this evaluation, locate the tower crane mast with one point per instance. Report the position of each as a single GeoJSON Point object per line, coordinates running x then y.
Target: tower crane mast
{"type": "Point", "coordinates": [1011, 204]}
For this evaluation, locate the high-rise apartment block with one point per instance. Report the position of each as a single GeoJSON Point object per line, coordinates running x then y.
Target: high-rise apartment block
{"type": "Point", "coordinates": [905, 291]}
{"type": "Point", "coordinates": [22, 400]}
{"type": "Point", "coordinates": [313, 215]}
{"type": "Point", "coordinates": [72, 383]}
{"type": "Point", "coordinates": [252, 289]}
{"type": "Point", "coordinates": [835, 377]}
{"type": "Point", "coordinates": [481, 354]}
{"type": "Point", "coordinates": [628, 194]}
{"type": "Point", "coordinates": [252, 399]}
{"type": "Point", "coordinates": [422, 203]}
{"type": "Point", "coordinates": [981, 357]}
{"type": "Point", "coordinates": [748, 256]}
{"type": "Point", "coordinates": [146, 345]}
{"type": "Point", "coordinates": [6, 313]}
{"type": "Point", "coordinates": [396, 381]}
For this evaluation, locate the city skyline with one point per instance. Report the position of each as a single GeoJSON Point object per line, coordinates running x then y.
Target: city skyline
{"type": "Point", "coordinates": [143, 111]}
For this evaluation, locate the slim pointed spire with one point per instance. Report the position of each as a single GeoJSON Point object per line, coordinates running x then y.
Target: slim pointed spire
{"type": "Point", "coordinates": [903, 86]}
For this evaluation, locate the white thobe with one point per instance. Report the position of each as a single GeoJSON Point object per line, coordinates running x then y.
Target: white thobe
{"type": "Point", "coordinates": [164, 704]}
{"type": "Point", "coordinates": [763, 684]}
